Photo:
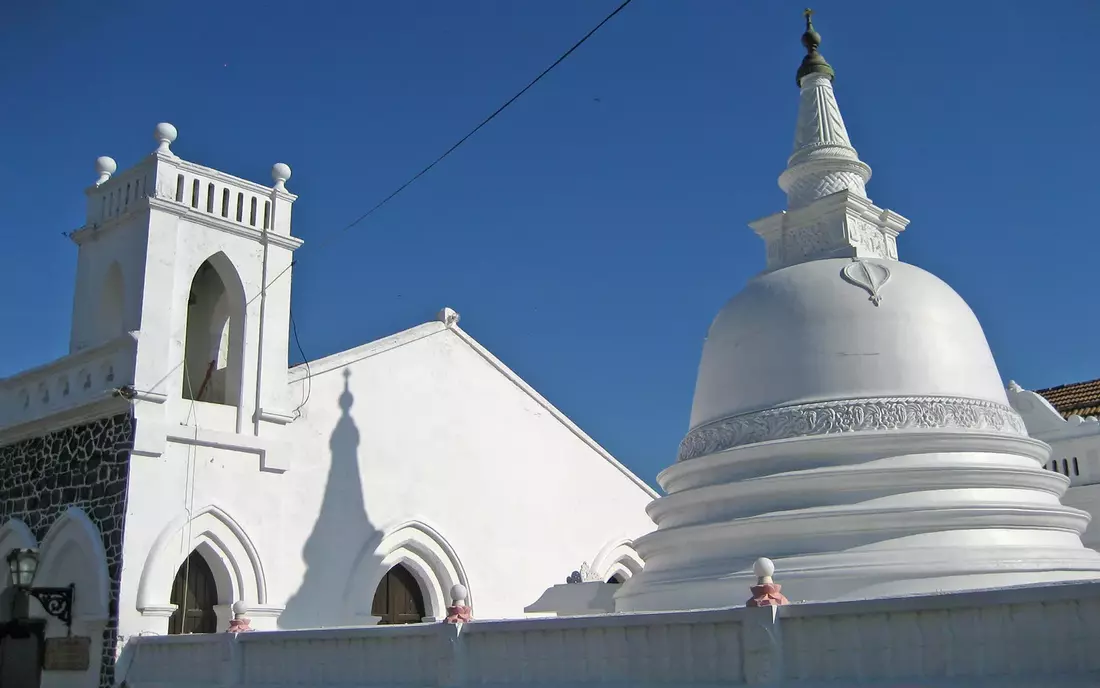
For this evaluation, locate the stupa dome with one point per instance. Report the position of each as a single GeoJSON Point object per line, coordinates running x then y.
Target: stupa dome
{"type": "Point", "coordinates": [849, 421]}
{"type": "Point", "coordinates": [805, 334]}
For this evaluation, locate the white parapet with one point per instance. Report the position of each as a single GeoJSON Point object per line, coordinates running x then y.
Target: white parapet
{"type": "Point", "coordinates": [58, 392]}
{"type": "Point", "coordinates": [1038, 635]}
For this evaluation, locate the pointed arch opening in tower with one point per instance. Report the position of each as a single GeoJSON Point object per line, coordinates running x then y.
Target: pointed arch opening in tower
{"type": "Point", "coordinates": [214, 350]}
{"type": "Point", "coordinates": [399, 598]}
{"type": "Point", "coordinates": [195, 593]}
{"type": "Point", "coordinates": [112, 303]}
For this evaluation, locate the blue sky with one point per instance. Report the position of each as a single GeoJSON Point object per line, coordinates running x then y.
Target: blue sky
{"type": "Point", "coordinates": [589, 234]}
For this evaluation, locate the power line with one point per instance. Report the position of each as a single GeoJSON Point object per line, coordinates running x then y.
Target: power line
{"type": "Point", "coordinates": [453, 148]}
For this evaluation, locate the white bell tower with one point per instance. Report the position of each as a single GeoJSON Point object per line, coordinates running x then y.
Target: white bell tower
{"type": "Point", "coordinates": [191, 269]}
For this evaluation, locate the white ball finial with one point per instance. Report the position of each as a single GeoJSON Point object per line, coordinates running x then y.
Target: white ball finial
{"type": "Point", "coordinates": [448, 316]}
{"type": "Point", "coordinates": [763, 568]}
{"type": "Point", "coordinates": [104, 167]}
{"type": "Point", "coordinates": [458, 593]}
{"type": "Point", "coordinates": [280, 173]}
{"type": "Point", "coordinates": [165, 134]}
{"type": "Point", "coordinates": [240, 608]}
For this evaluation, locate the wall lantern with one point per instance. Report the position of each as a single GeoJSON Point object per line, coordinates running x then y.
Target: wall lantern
{"type": "Point", "coordinates": [58, 602]}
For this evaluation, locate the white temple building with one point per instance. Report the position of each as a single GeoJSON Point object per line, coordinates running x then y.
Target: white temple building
{"type": "Point", "coordinates": [849, 423]}
{"type": "Point", "coordinates": [172, 465]}
{"type": "Point", "coordinates": [849, 419]}
{"type": "Point", "coordinates": [1067, 418]}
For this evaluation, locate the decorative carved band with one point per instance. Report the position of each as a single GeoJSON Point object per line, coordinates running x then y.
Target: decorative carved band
{"type": "Point", "coordinates": [860, 415]}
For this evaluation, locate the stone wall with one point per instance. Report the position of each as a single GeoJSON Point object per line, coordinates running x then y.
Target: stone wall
{"type": "Point", "coordinates": [85, 466]}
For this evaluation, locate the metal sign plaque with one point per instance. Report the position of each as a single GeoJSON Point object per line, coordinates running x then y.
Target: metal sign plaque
{"type": "Point", "coordinates": [68, 654]}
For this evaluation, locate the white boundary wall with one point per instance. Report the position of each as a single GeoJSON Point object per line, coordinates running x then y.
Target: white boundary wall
{"type": "Point", "coordinates": [1029, 636]}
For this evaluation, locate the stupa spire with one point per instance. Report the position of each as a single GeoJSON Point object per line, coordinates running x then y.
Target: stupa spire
{"type": "Point", "coordinates": [823, 161]}
{"type": "Point", "coordinates": [828, 213]}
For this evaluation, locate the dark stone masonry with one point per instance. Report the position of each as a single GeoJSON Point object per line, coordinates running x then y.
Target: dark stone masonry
{"type": "Point", "coordinates": [85, 466]}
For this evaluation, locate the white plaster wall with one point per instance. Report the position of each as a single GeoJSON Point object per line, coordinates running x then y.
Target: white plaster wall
{"type": "Point", "coordinates": [434, 434]}
{"type": "Point", "coordinates": [1033, 636]}
{"type": "Point", "coordinates": [125, 246]}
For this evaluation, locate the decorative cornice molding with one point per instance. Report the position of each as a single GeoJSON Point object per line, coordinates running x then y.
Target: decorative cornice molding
{"type": "Point", "coordinates": [858, 415]}
{"type": "Point", "coordinates": [842, 224]}
{"type": "Point", "coordinates": [213, 222]}
{"type": "Point", "coordinates": [101, 406]}
{"type": "Point", "coordinates": [277, 416]}
{"type": "Point", "coordinates": [161, 611]}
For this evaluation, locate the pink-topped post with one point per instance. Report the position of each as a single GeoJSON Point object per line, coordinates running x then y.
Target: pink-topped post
{"type": "Point", "coordinates": [239, 624]}
{"type": "Point", "coordinates": [459, 611]}
{"type": "Point", "coordinates": [766, 592]}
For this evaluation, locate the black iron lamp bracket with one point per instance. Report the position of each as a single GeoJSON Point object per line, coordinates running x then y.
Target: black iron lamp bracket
{"type": "Point", "coordinates": [58, 602]}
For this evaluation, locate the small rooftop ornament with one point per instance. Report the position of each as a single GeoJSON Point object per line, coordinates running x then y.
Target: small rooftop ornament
{"type": "Point", "coordinates": [814, 62]}
{"type": "Point", "coordinates": [766, 592]}
{"type": "Point", "coordinates": [459, 611]}
{"type": "Point", "coordinates": [104, 167]}
{"type": "Point", "coordinates": [280, 173]}
{"type": "Point", "coordinates": [165, 134]}
{"type": "Point", "coordinates": [448, 316]}
{"type": "Point", "coordinates": [239, 624]}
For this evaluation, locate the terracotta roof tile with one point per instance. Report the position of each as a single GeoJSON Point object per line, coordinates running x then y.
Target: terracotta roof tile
{"type": "Point", "coordinates": [1075, 399]}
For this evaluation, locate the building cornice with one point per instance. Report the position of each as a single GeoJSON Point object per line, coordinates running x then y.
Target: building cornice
{"type": "Point", "coordinates": [104, 406]}
{"type": "Point", "coordinates": [90, 232]}
{"type": "Point", "coordinates": [214, 222]}
{"type": "Point", "coordinates": [82, 356]}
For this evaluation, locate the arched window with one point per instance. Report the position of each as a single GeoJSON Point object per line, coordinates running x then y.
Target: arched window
{"type": "Point", "coordinates": [194, 592]}
{"type": "Point", "coordinates": [215, 332]}
{"type": "Point", "coordinates": [398, 599]}
{"type": "Point", "coordinates": [112, 302]}
{"type": "Point", "coordinates": [615, 580]}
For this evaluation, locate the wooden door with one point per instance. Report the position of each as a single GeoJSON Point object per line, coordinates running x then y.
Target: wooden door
{"type": "Point", "coordinates": [398, 599]}
{"type": "Point", "coordinates": [21, 654]}
{"type": "Point", "coordinates": [194, 593]}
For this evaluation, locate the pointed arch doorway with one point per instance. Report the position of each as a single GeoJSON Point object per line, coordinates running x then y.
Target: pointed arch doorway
{"type": "Point", "coordinates": [398, 599]}
{"type": "Point", "coordinates": [194, 592]}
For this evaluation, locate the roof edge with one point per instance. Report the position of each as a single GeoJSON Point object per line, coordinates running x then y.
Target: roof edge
{"type": "Point", "coordinates": [344, 358]}
{"type": "Point", "coordinates": [413, 334]}
{"type": "Point", "coordinates": [550, 408]}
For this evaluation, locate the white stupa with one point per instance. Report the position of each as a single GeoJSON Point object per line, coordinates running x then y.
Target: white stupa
{"type": "Point", "coordinates": [849, 421]}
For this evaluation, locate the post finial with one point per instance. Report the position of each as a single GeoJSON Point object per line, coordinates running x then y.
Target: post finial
{"type": "Point", "coordinates": [239, 623]}
{"type": "Point", "coordinates": [813, 63]}
{"type": "Point", "coordinates": [280, 173]}
{"type": "Point", "coordinates": [459, 610]}
{"type": "Point", "coordinates": [766, 592]}
{"type": "Point", "coordinates": [165, 134]}
{"type": "Point", "coordinates": [104, 168]}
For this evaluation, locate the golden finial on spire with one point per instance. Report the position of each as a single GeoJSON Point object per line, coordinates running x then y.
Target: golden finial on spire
{"type": "Point", "coordinates": [808, 13]}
